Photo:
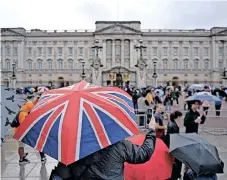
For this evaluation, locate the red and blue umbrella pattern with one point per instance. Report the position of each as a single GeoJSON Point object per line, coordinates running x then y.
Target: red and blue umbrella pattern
{"type": "Point", "coordinates": [73, 122]}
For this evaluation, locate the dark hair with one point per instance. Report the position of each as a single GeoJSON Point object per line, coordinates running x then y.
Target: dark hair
{"type": "Point", "coordinates": [174, 115]}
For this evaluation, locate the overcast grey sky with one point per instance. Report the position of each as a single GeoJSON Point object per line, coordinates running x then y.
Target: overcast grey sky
{"type": "Point", "coordinates": [82, 14]}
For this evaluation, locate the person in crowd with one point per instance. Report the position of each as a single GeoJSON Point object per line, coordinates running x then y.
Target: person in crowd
{"type": "Point", "coordinates": [108, 163]}
{"type": "Point", "coordinates": [135, 96]}
{"type": "Point", "coordinates": [206, 106]}
{"type": "Point", "coordinates": [157, 98]}
{"type": "Point", "coordinates": [167, 102]}
{"type": "Point", "coordinates": [22, 114]}
{"type": "Point", "coordinates": [150, 97]}
{"type": "Point", "coordinates": [192, 118]}
{"type": "Point", "coordinates": [190, 175]}
{"type": "Point", "coordinates": [173, 128]}
{"type": "Point", "coordinates": [160, 130]}
{"type": "Point", "coordinates": [142, 109]}
{"type": "Point", "coordinates": [218, 105]}
{"type": "Point", "coordinates": [174, 96]}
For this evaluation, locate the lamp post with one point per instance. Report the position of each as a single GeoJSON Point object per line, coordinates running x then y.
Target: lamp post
{"type": "Point", "coordinates": [224, 77]}
{"type": "Point", "coordinates": [13, 76]}
{"type": "Point", "coordinates": [140, 48]}
{"type": "Point", "coordinates": [155, 74]}
{"type": "Point", "coordinates": [83, 75]}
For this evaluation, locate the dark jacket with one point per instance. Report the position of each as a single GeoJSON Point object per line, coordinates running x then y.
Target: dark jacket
{"type": "Point", "coordinates": [189, 121]}
{"type": "Point", "coordinates": [172, 128]}
{"type": "Point", "coordinates": [108, 163]}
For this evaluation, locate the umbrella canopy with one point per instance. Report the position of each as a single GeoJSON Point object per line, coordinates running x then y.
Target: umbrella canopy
{"type": "Point", "coordinates": [42, 89]}
{"type": "Point", "coordinates": [197, 87]}
{"type": "Point", "coordinates": [203, 96]}
{"type": "Point", "coordinates": [75, 121]}
{"type": "Point", "coordinates": [10, 105]}
{"type": "Point", "coordinates": [220, 92]}
{"type": "Point", "coordinates": [158, 167]}
{"type": "Point", "coordinates": [161, 92]}
{"type": "Point", "coordinates": [195, 152]}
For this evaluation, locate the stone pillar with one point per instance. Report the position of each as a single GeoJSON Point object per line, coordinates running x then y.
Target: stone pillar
{"type": "Point", "coordinates": [113, 52]}
{"type": "Point", "coordinates": [21, 55]}
{"type": "Point", "coordinates": [122, 53]}
{"type": "Point", "coordinates": [13, 81]}
{"type": "Point", "coordinates": [141, 73]}
{"type": "Point", "coordinates": [131, 65]}
{"type": "Point", "coordinates": [104, 53]}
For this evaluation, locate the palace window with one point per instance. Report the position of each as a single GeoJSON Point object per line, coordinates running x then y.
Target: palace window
{"type": "Point", "coordinates": [92, 51]}
{"type": "Point", "coordinates": [30, 65]}
{"type": "Point", "coordinates": [220, 51]}
{"type": "Point", "coordinates": [118, 50]}
{"type": "Point", "coordinates": [175, 51]}
{"type": "Point", "coordinates": [206, 51]}
{"type": "Point", "coordinates": [196, 51]}
{"type": "Point", "coordinates": [40, 65]}
{"type": "Point", "coordinates": [175, 65]}
{"type": "Point", "coordinates": [81, 51]}
{"type": "Point", "coordinates": [70, 51]}
{"type": "Point", "coordinates": [165, 51]}
{"type": "Point", "coordinates": [185, 51]}
{"type": "Point", "coordinates": [206, 65]}
{"type": "Point", "coordinates": [155, 51]}
{"type": "Point", "coordinates": [8, 64]}
{"type": "Point", "coordinates": [185, 64]}
{"type": "Point", "coordinates": [196, 65]}
{"type": "Point", "coordinates": [50, 51]}
{"type": "Point", "coordinates": [220, 65]}
{"type": "Point", "coordinates": [70, 65]}
{"type": "Point", "coordinates": [40, 51]}
{"type": "Point", "coordinates": [60, 49]}
{"type": "Point", "coordinates": [60, 65]}
{"type": "Point", "coordinates": [127, 48]}
{"type": "Point", "coordinates": [50, 64]}
{"type": "Point", "coordinates": [1, 50]}
{"type": "Point", "coordinates": [165, 64]}
{"type": "Point", "coordinates": [15, 51]}
{"type": "Point", "coordinates": [8, 51]}
{"type": "Point", "coordinates": [29, 51]}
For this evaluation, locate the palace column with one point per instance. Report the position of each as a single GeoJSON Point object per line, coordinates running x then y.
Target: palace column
{"type": "Point", "coordinates": [122, 53]}
{"type": "Point", "coordinates": [113, 52]}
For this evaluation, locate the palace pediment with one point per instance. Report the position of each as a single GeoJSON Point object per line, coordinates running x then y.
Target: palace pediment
{"type": "Point", "coordinates": [9, 32]}
{"type": "Point", "coordinates": [118, 29]}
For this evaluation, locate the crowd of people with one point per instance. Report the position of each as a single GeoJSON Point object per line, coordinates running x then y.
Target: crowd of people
{"type": "Point", "coordinates": [159, 100]}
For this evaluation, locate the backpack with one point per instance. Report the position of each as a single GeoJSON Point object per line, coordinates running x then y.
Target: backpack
{"type": "Point", "coordinates": [16, 123]}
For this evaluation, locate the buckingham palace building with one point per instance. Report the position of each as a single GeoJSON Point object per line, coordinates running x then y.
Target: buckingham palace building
{"type": "Point", "coordinates": [113, 53]}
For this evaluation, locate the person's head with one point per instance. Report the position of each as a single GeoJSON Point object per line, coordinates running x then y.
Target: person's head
{"type": "Point", "coordinates": [159, 108]}
{"type": "Point", "coordinates": [195, 105]}
{"type": "Point", "coordinates": [157, 93]}
{"type": "Point", "coordinates": [176, 115]}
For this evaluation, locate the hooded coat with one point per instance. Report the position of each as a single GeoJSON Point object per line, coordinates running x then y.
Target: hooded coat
{"type": "Point", "coordinates": [108, 163]}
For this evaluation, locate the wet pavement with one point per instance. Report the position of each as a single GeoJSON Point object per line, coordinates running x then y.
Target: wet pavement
{"type": "Point", "coordinates": [11, 170]}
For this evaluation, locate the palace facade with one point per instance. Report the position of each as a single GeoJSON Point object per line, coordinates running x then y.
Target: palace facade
{"type": "Point", "coordinates": [113, 53]}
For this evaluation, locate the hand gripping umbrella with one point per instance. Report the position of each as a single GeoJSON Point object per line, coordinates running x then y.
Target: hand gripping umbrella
{"type": "Point", "coordinates": [73, 122]}
{"type": "Point", "coordinates": [158, 167]}
{"type": "Point", "coordinates": [196, 153]}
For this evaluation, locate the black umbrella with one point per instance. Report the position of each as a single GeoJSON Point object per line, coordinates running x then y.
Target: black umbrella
{"type": "Point", "coordinates": [221, 92]}
{"type": "Point", "coordinates": [196, 153]}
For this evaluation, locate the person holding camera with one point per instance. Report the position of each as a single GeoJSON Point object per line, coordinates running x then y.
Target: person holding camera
{"type": "Point", "coordinates": [192, 118]}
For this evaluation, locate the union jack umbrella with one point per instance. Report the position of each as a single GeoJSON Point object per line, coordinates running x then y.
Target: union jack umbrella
{"type": "Point", "coordinates": [73, 122]}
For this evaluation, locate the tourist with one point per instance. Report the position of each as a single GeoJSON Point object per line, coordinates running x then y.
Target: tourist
{"type": "Point", "coordinates": [142, 109]}
{"type": "Point", "coordinates": [172, 128]}
{"type": "Point", "coordinates": [218, 105]}
{"type": "Point", "coordinates": [205, 105]}
{"type": "Point", "coordinates": [190, 175]}
{"type": "Point", "coordinates": [160, 130]}
{"type": "Point", "coordinates": [167, 102]}
{"type": "Point", "coordinates": [192, 118]}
